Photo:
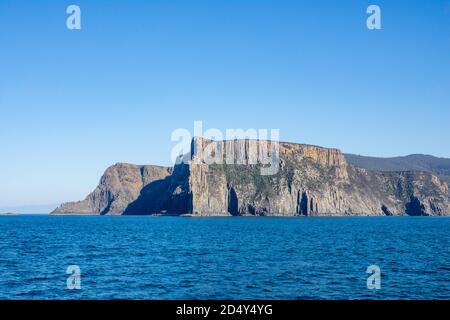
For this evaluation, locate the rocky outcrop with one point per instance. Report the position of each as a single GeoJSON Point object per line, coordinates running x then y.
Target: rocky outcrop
{"type": "Point", "coordinates": [225, 178]}
{"type": "Point", "coordinates": [120, 186]}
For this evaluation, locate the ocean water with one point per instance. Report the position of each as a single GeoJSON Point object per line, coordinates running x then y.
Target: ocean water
{"type": "Point", "coordinates": [224, 258]}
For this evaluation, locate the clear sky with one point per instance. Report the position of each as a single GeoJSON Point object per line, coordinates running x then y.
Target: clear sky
{"type": "Point", "coordinates": [73, 102]}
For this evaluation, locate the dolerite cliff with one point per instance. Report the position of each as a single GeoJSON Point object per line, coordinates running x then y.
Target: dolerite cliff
{"type": "Point", "coordinates": [308, 181]}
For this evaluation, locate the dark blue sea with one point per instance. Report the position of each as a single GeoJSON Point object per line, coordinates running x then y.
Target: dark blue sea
{"type": "Point", "coordinates": [224, 258]}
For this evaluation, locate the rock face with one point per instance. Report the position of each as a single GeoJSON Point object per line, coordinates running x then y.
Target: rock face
{"type": "Point", "coordinates": [308, 181]}
{"type": "Point", "coordinates": [120, 186]}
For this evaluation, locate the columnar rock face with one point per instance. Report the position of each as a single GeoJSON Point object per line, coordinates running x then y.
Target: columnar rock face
{"type": "Point", "coordinates": [230, 178]}
{"type": "Point", "coordinates": [312, 181]}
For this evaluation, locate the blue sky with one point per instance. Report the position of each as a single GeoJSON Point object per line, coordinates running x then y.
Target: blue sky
{"type": "Point", "coordinates": [74, 102]}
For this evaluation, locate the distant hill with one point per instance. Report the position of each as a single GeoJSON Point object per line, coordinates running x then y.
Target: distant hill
{"type": "Point", "coordinates": [415, 162]}
{"type": "Point", "coordinates": [29, 209]}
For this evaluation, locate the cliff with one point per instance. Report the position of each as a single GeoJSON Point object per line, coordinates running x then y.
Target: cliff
{"type": "Point", "coordinates": [311, 181]}
{"type": "Point", "coordinates": [120, 186]}
{"type": "Point", "coordinates": [307, 180]}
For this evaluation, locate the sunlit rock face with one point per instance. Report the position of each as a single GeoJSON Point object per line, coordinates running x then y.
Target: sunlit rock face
{"type": "Point", "coordinates": [119, 187]}
{"type": "Point", "coordinates": [225, 178]}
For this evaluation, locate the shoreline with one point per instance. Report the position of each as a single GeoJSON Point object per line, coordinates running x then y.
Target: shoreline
{"type": "Point", "coordinates": [188, 215]}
